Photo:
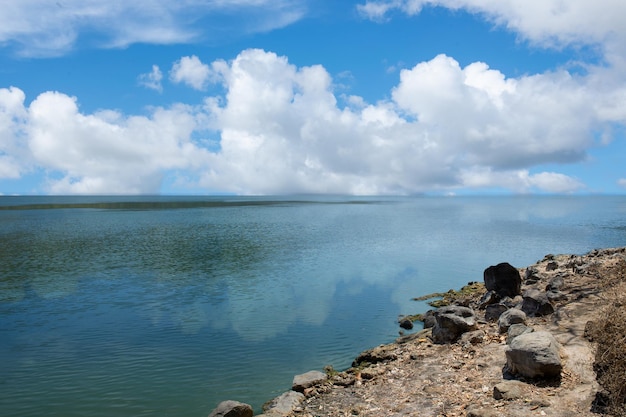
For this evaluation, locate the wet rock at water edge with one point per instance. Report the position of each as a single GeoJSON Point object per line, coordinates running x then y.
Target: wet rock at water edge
{"type": "Point", "coordinates": [405, 323]}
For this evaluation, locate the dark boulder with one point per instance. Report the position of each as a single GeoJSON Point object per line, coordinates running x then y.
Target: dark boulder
{"type": "Point", "coordinates": [452, 322]}
{"type": "Point", "coordinates": [405, 323]}
{"type": "Point", "coordinates": [504, 279]}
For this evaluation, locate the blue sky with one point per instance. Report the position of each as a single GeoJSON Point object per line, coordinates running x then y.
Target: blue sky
{"type": "Point", "coordinates": [302, 96]}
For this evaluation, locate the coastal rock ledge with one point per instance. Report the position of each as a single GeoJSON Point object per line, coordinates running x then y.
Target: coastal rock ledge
{"type": "Point", "coordinates": [533, 355]}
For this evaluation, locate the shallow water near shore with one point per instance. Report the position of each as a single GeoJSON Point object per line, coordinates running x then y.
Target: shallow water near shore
{"type": "Point", "coordinates": [159, 306]}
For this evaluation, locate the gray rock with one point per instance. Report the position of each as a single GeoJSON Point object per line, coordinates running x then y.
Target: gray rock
{"type": "Point", "coordinates": [452, 322]}
{"type": "Point", "coordinates": [555, 296]}
{"type": "Point", "coordinates": [284, 403]}
{"type": "Point", "coordinates": [405, 323]}
{"type": "Point", "coordinates": [531, 272]}
{"type": "Point", "coordinates": [508, 390]}
{"type": "Point", "coordinates": [490, 297]}
{"type": "Point", "coordinates": [536, 303]}
{"type": "Point", "coordinates": [308, 380]}
{"type": "Point", "coordinates": [552, 266]}
{"type": "Point", "coordinates": [515, 302]}
{"type": "Point", "coordinates": [534, 355]}
{"type": "Point", "coordinates": [475, 337]}
{"type": "Point", "coordinates": [493, 311]}
{"type": "Point", "coordinates": [232, 409]}
{"type": "Point", "coordinates": [555, 284]}
{"type": "Point", "coordinates": [429, 319]}
{"type": "Point", "coordinates": [517, 330]}
{"type": "Point", "coordinates": [510, 317]}
{"type": "Point", "coordinates": [504, 279]}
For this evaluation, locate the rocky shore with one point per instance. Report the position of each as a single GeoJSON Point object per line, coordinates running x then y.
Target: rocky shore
{"type": "Point", "coordinates": [545, 340]}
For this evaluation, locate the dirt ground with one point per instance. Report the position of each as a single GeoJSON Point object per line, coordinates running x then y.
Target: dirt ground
{"type": "Point", "coordinates": [415, 377]}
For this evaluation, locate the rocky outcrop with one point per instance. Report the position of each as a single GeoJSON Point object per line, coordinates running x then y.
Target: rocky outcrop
{"type": "Point", "coordinates": [452, 322]}
{"type": "Point", "coordinates": [534, 355]}
{"type": "Point", "coordinates": [232, 409]}
{"type": "Point", "coordinates": [504, 279]}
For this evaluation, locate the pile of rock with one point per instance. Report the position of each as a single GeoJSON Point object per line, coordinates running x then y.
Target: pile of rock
{"type": "Point", "coordinates": [530, 354]}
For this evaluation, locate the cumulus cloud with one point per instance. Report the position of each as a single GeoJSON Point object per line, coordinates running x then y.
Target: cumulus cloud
{"type": "Point", "coordinates": [279, 128]}
{"type": "Point", "coordinates": [622, 182]}
{"type": "Point", "coordinates": [100, 153]}
{"type": "Point", "coordinates": [282, 129]}
{"type": "Point", "coordinates": [152, 80]}
{"type": "Point", "coordinates": [121, 23]}
{"type": "Point", "coordinates": [191, 71]}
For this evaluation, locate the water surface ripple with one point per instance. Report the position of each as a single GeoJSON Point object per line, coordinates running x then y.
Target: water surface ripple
{"type": "Point", "coordinates": [159, 306]}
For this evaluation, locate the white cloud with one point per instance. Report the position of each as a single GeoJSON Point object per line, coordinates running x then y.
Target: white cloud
{"type": "Point", "coordinates": [108, 152]}
{"type": "Point", "coordinates": [121, 23]}
{"type": "Point", "coordinates": [377, 10]}
{"type": "Point", "coordinates": [14, 158]}
{"type": "Point", "coordinates": [281, 129]}
{"type": "Point", "coordinates": [152, 80]}
{"type": "Point", "coordinates": [545, 22]}
{"type": "Point", "coordinates": [622, 182]}
{"type": "Point", "coordinates": [191, 71]}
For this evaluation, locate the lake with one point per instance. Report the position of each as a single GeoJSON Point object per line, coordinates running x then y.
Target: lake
{"type": "Point", "coordinates": [165, 306]}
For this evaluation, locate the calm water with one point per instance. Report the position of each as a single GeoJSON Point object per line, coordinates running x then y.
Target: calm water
{"type": "Point", "coordinates": [166, 306]}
